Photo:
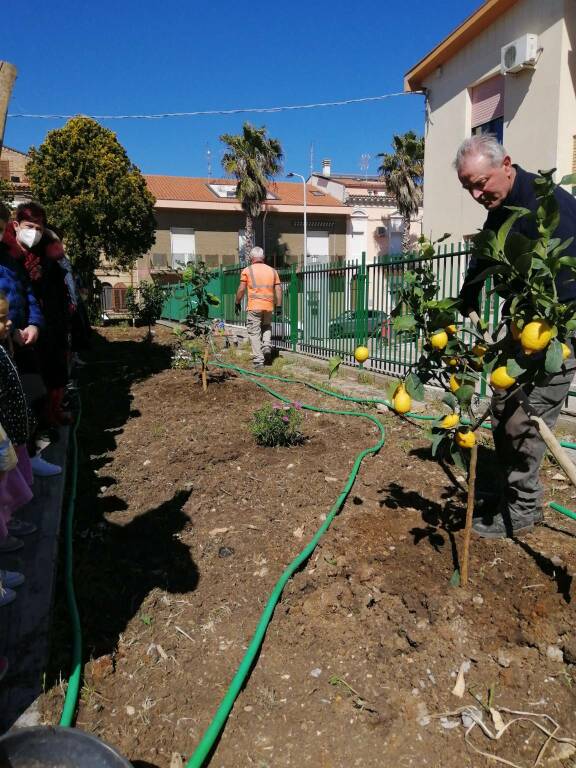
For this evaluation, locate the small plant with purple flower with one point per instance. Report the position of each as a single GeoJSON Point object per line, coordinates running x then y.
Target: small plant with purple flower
{"type": "Point", "coordinates": [278, 424]}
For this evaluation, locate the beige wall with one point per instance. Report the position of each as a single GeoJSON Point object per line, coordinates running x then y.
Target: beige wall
{"type": "Point", "coordinates": [13, 163]}
{"type": "Point", "coordinates": [539, 111]}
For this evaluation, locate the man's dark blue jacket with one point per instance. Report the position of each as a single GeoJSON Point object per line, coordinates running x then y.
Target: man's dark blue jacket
{"type": "Point", "coordinates": [523, 194]}
{"type": "Point", "coordinates": [15, 284]}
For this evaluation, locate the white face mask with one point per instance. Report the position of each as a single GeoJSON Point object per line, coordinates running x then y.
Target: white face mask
{"type": "Point", "coordinates": [29, 237]}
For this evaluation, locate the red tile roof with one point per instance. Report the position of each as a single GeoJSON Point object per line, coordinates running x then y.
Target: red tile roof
{"type": "Point", "coordinates": [198, 190]}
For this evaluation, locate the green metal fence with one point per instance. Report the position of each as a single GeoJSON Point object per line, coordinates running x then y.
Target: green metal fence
{"type": "Point", "coordinates": [329, 309]}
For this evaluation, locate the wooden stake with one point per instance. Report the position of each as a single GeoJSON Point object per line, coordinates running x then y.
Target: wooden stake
{"type": "Point", "coordinates": [469, 515]}
{"type": "Point", "coordinates": [7, 76]}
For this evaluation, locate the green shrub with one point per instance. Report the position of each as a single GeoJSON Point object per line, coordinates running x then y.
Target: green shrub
{"type": "Point", "coordinates": [277, 424]}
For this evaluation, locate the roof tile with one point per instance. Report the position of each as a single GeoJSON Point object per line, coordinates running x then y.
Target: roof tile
{"type": "Point", "coordinates": [197, 189]}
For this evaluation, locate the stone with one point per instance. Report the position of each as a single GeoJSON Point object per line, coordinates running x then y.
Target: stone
{"type": "Point", "coordinates": [503, 658]}
{"type": "Point", "coordinates": [569, 650]}
{"type": "Point", "coordinates": [554, 653]}
{"type": "Point", "coordinates": [225, 551]}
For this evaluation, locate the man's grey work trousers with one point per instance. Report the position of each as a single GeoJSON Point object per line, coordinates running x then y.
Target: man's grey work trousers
{"type": "Point", "coordinates": [259, 327]}
{"type": "Point", "coordinates": [519, 447]}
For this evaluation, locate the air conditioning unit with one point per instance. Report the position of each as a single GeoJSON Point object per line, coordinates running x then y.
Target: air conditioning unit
{"type": "Point", "coordinates": [518, 55]}
{"type": "Point", "coordinates": [380, 231]}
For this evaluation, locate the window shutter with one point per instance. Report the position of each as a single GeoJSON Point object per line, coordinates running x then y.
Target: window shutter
{"type": "Point", "coordinates": [487, 100]}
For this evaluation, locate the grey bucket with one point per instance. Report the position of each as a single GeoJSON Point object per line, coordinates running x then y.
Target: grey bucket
{"type": "Point", "coordinates": [47, 747]}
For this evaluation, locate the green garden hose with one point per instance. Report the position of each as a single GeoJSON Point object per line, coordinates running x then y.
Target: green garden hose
{"type": "Point", "coordinates": [73, 688]}
{"type": "Point", "coordinates": [219, 720]}
{"type": "Point", "coordinates": [217, 724]}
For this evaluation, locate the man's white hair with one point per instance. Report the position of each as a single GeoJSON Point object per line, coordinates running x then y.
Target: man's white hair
{"type": "Point", "coordinates": [486, 145]}
{"type": "Point", "coordinates": [256, 254]}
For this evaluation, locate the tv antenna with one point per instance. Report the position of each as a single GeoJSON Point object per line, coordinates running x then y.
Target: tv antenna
{"type": "Point", "coordinates": [209, 160]}
{"type": "Point", "coordinates": [364, 163]}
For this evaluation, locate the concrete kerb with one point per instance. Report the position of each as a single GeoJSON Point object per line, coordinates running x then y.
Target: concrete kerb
{"type": "Point", "coordinates": [25, 637]}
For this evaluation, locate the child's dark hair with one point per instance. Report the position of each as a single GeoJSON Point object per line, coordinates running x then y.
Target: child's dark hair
{"type": "Point", "coordinates": [5, 214]}
{"type": "Point", "coordinates": [31, 211]}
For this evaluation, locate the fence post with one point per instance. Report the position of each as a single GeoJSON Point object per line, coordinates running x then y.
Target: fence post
{"type": "Point", "coordinates": [361, 325]}
{"type": "Point", "coordinates": [293, 308]}
{"type": "Point", "coordinates": [221, 291]}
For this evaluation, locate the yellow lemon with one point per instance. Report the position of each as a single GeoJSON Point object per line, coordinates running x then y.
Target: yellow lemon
{"type": "Point", "coordinates": [451, 361]}
{"type": "Point", "coordinates": [450, 328]}
{"type": "Point", "coordinates": [450, 421]}
{"type": "Point", "coordinates": [479, 350]}
{"type": "Point", "coordinates": [454, 383]}
{"type": "Point", "coordinates": [500, 378]}
{"type": "Point", "coordinates": [361, 354]}
{"type": "Point", "coordinates": [465, 439]}
{"type": "Point", "coordinates": [439, 339]}
{"type": "Point", "coordinates": [402, 401]}
{"type": "Point", "coordinates": [566, 351]}
{"type": "Point", "coordinates": [535, 336]}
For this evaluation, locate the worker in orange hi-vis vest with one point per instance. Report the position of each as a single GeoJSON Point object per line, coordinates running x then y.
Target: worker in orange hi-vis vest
{"type": "Point", "coordinates": [264, 293]}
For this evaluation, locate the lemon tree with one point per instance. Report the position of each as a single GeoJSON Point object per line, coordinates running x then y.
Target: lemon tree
{"type": "Point", "coordinates": [196, 337]}
{"type": "Point", "coordinates": [531, 338]}
{"type": "Point", "coordinates": [525, 272]}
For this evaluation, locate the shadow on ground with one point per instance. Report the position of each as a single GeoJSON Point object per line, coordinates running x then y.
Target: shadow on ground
{"type": "Point", "coordinates": [116, 565]}
{"type": "Point", "coordinates": [440, 520]}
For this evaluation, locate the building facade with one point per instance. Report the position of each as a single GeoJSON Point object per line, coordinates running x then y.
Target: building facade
{"type": "Point", "coordinates": [375, 227]}
{"type": "Point", "coordinates": [509, 70]}
{"type": "Point", "coordinates": [13, 169]}
{"type": "Point", "coordinates": [200, 219]}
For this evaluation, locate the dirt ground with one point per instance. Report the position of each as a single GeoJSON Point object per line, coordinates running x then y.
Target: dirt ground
{"type": "Point", "coordinates": [183, 527]}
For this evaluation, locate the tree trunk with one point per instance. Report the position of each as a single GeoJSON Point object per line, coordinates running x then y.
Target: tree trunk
{"type": "Point", "coordinates": [7, 77]}
{"type": "Point", "coordinates": [406, 235]}
{"type": "Point", "coordinates": [249, 239]}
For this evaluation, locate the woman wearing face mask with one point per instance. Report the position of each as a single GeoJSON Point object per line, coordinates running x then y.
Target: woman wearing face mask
{"type": "Point", "coordinates": [25, 313]}
{"type": "Point", "coordinates": [28, 241]}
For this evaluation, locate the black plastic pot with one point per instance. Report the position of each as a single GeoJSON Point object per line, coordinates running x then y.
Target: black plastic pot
{"type": "Point", "coordinates": [46, 747]}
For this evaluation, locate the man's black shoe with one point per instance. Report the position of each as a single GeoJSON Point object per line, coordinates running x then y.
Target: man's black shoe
{"type": "Point", "coordinates": [499, 528]}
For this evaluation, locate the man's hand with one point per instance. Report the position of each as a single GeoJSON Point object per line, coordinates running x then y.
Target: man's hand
{"type": "Point", "coordinates": [29, 335]}
{"type": "Point", "coordinates": [238, 307]}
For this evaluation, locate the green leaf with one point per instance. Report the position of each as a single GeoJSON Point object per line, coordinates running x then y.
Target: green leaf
{"type": "Point", "coordinates": [404, 323]}
{"type": "Point", "coordinates": [504, 230]}
{"type": "Point", "coordinates": [514, 369]}
{"type": "Point", "coordinates": [457, 458]}
{"type": "Point", "coordinates": [455, 579]}
{"type": "Point", "coordinates": [464, 394]}
{"type": "Point", "coordinates": [414, 386]}
{"type": "Point", "coordinates": [212, 299]}
{"type": "Point", "coordinates": [436, 442]}
{"type": "Point", "coordinates": [524, 211]}
{"type": "Point", "coordinates": [486, 273]}
{"type": "Point", "coordinates": [450, 400]}
{"type": "Point", "coordinates": [567, 261]}
{"type": "Point", "coordinates": [391, 390]}
{"type": "Point", "coordinates": [554, 359]}
{"type": "Point", "coordinates": [569, 180]}
{"type": "Point", "coordinates": [334, 365]}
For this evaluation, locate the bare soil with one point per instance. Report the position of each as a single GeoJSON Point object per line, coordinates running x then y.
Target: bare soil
{"type": "Point", "coordinates": [183, 527]}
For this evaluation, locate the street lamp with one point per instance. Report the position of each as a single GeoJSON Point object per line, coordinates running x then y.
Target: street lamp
{"type": "Point", "coordinates": [290, 176]}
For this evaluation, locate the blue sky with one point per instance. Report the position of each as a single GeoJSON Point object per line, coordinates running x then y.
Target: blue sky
{"type": "Point", "coordinates": [139, 56]}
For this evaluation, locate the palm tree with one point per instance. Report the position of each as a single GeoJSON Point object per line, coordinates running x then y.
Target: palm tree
{"type": "Point", "coordinates": [403, 171]}
{"type": "Point", "coordinates": [253, 159]}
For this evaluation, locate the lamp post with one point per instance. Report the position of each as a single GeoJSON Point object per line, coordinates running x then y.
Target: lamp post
{"type": "Point", "coordinates": [289, 176]}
